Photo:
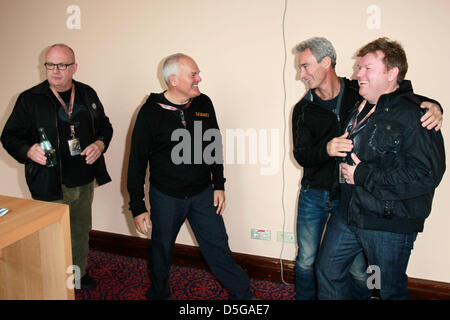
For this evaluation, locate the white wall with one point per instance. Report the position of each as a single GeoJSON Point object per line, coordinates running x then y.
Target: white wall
{"type": "Point", "coordinates": [238, 45]}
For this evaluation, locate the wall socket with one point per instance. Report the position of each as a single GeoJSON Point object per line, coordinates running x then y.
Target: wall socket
{"type": "Point", "coordinates": [260, 234]}
{"type": "Point", "coordinates": [287, 237]}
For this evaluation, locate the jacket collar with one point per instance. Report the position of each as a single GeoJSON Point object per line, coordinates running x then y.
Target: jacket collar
{"type": "Point", "coordinates": [348, 85]}
{"type": "Point", "coordinates": [405, 88]}
{"type": "Point", "coordinates": [44, 87]}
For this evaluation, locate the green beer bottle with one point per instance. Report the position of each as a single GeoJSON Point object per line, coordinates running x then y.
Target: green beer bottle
{"type": "Point", "coordinates": [50, 152]}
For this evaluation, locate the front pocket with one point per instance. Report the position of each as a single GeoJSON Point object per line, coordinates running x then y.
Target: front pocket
{"type": "Point", "coordinates": [44, 183]}
{"type": "Point", "coordinates": [31, 169]}
{"type": "Point", "coordinates": [386, 137]}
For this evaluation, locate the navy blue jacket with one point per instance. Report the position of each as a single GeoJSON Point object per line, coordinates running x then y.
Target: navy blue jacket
{"type": "Point", "coordinates": [152, 144]}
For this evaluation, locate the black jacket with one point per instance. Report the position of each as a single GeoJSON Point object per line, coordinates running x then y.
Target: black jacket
{"type": "Point", "coordinates": [313, 126]}
{"type": "Point", "coordinates": [35, 108]}
{"type": "Point", "coordinates": [152, 142]}
{"type": "Point", "coordinates": [402, 164]}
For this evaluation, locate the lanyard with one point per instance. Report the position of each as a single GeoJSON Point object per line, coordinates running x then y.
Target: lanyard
{"type": "Point", "coordinates": [360, 108]}
{"type": "Point", "coordinates": [67, 108]}
{"type": "Point", "coordinates": [167, 107]}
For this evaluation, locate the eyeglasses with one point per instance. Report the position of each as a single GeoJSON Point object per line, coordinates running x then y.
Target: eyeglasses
{"type": "Point", "coordinates": [59, 66]}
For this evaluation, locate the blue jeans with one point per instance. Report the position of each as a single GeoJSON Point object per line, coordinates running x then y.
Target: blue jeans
{"type": "Point", "coordinates": [314, 207]}
{"type": "Point", "coordinates": [387, 252]}
{"type": "Point", "coordinates": [168, 215]}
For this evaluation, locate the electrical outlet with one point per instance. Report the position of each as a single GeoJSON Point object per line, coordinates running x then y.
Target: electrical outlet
{"type": "Point", "coordinates": [260, 234]}
{"type": "Point", "coordinates": [288, 237]}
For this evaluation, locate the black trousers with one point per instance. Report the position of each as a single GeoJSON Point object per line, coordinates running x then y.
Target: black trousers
{"type": "Point", "coordinates": [168, 215]}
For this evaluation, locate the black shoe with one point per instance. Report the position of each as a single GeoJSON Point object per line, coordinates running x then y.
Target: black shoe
{"type": "Point", "coordinates": [150, 295]}
{"type": "Point", "coordinates": [87, 282]}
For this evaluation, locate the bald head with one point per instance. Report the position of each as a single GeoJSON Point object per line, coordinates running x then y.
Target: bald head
{"type": "Point", "coordinates": [62, 47]}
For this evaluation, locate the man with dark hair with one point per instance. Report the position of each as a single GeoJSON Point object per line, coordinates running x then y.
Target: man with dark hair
{"type": "Point", "coordinates": [388, 180]}
{"type": "Point", "coordinates": [317, 125]}
{"type": "Point", "coordinates": [76, 125]}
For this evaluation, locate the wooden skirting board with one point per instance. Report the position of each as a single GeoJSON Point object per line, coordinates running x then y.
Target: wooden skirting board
{"type": "Point", "coordinates": [257, 267]}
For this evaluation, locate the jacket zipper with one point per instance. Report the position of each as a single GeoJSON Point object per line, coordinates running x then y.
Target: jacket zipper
{"type": "Point", "coordinates": [337, 116]}
{"type": "Point", "coordinates": [57, 138]}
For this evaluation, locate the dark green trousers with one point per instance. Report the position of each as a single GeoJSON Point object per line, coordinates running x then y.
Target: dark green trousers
{"type": "Point", "coordinates": [79, 200]}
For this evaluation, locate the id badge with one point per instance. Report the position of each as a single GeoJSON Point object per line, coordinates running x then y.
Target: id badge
{"type": "Point", "coordinates": [74, 147]}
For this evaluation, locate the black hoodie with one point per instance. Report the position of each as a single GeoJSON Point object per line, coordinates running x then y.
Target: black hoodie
{"type": "Point", "coordinates": [152, 142]}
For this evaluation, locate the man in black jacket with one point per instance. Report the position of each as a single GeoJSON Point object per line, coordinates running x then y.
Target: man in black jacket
{"type": "Point", "coordinates": [317, 125]}
{"type": "Point", "coordinates": [390, 178]}
{"type": "Point", "coordinates": [75, 123]}
{"type": "Point", "coordinates": [315, 122]}
{"type": "Point", "coordinates": [186, 179]}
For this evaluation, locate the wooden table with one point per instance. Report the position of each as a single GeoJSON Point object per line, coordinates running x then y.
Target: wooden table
{"type": "Point", "coordinates": [35, 250]}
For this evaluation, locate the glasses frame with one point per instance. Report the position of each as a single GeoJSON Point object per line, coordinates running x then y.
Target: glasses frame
{"type": "Point", "coordinates": [59, 66]}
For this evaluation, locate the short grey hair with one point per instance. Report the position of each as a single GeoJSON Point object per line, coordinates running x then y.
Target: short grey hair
{"type": "Point", "coordinates": [320, 48]}
{"type": "Point", "coordinates": [171, 65]}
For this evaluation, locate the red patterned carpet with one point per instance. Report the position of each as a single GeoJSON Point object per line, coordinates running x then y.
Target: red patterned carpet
{"type": "Point", "coordinates": [125, 278]}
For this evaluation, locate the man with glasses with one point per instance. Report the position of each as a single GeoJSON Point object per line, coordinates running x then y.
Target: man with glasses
{"type": "Point", "coordinates": [78, 129]}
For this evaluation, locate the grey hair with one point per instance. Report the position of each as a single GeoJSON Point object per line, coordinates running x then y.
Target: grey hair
{"type": "Point", "coordinates": [171, 66]}
{"type": "Point", "coordinates": [320, 48]}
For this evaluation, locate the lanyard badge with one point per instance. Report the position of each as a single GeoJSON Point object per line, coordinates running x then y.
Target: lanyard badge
{"type": "Point", "coordinates": [356, 124]}
{"type": "Point", "coordinates": [74, 142]}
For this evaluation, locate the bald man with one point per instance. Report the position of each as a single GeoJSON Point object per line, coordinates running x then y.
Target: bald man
{"type": "Point", "coordinates": [80, 132]}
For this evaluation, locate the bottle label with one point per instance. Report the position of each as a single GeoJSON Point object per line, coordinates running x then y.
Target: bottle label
{"type": "Point", "coordinates": [46, 145]}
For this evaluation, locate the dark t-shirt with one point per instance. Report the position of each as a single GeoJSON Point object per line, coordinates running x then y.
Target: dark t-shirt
{"type": "Point", "coordinates": [329, 104]}
{"type": "Point", "coordinates": [75, 171]}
